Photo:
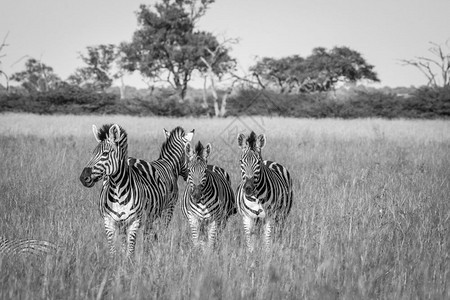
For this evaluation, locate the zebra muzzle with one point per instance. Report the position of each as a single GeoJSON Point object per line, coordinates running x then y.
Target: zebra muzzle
{"type": "Point", "coordinates": [259, 213]}
{"type": "Point", "coordinates": [196, 193]}
{"type": "Point", "coordinates": [249, 187]}
{"type": "Point", "coordinates": [197, 198]}
{"type": "Point", "coordinates": [86, 178]}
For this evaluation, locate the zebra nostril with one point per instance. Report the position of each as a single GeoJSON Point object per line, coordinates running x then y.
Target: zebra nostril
{"type": "Point", "coordinates": [86, 175]}
{"type": "Point", "coordinates": [248, 190]}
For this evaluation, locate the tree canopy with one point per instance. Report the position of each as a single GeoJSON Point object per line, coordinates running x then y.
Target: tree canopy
{"type": "Point", "coordinates": [37, 77]}
{"type": "Point", "coordinates": [167, 46]}
{"type": "Point", "coordinates": [97, 75]}
{"type": "Point", "coordinates": [320, 71]}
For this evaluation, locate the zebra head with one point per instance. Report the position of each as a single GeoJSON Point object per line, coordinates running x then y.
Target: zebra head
{"type": "Point", "coordinates": [197, 162]}
{"type": "Point", "coordinates": [173, 149]}
{"type": "Point", "coordinates": [107, 156]}
{"type": "Point", "coordinates": [251, 160]}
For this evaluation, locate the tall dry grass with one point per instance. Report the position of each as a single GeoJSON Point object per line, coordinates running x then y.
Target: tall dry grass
{"type": "Point", "coordinates": [370, 220]}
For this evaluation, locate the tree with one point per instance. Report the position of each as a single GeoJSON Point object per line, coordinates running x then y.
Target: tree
{"type": "Point", "coordinates": [435, 69]}
{"type": "Point", "coordinates": [99, 73]}
{"type": "Point", "coordinates": [320, 71]}
{"type": "Point", "coordinates": [3, 45]}
{"type": "Point", "coordinates": [283, 72]}
{"type": "Point", "coordinates": [340, 64]}
{"type": "Point", "coordinates": [37, 77]}
{"type": "Point", "coordinates": [166, 45]}
{"type": "Point", "coordinates": [217, 65]}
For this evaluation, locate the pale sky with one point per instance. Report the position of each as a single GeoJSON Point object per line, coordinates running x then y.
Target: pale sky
{"type": "Point", "coordinates": [383, 31]}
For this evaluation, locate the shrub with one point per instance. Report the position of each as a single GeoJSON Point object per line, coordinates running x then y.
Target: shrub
{"type": "Point", "coordinates": [357, 103]}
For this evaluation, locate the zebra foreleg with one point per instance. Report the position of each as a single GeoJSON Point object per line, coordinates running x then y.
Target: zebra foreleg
{"type": "Point", "coordinates": [212, 235]}
{"type": "Point", "coordinates": [112, 232]}
{"type": "Point", "coordinates": [249, 229]}
{"type": "Point", "coordinates": [167, 216]}
{"type": "Point", "coordinates": [131, 238]}
{"type": "Point", "coordinates": [268, 234]}
{"type": "Point", "coordinates": [195, 230]}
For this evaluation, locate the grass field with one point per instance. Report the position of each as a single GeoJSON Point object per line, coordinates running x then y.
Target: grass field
{"type": "Point", "coordinates": [371, 214]}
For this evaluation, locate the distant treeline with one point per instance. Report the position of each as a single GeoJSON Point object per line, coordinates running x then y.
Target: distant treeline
{"type": "Point", "coordinates": [353, 103]}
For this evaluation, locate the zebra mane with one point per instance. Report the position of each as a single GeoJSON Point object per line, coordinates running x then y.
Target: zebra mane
{"type": "Point", "coordinates": [199, 149]}
{"type": "Point", "coordinates": [251, 140]}
{"type": "Point", "coordinates": [103, 132]}
{"type": "Point", "coordinates": [176, 133]}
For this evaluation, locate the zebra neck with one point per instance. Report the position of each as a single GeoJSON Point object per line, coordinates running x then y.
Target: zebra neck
{"type": "Point", "coordinates": [119, 189]}
{"type": "Point", "coordinates": [262, 176]}
{"type": "Point", "coordinates": [208, 183]}
{"type": "Point", "coordinates": [122, 177]}
{"type": "Point", "coordinates": [173, 163]}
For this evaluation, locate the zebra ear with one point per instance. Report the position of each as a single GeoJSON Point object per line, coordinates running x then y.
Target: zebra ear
{"type": "Point", "coordinates": [188, 150]}
{"type": "Point", "coordinates": [96, 133]}
{"type": "Point", "coordinates": [189, 135]}
{"type": "Point", "coordinates": [114, 133]}
{"type": "Point", "coordinates": [241, 139]}
{"type": "Point", "coordinates": [167, 134]}
{"type": "Point", "coordinates": [207, 151]}
{"type": "Point", "coordinates": [261, 141]}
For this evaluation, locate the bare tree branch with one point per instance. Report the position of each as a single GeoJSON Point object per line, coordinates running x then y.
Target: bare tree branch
{"type": "Point", "coordinates": [7, 80]}
{"type": "Point", "coordinates": [4, 44]}
{"type": "Point", "coordinates": [246, 80]}
{"type": "Point", "coordinates": [424, 69]}
{"type": "Point", "coordinates": [428, 66]}
{"type": "Point", "coordinates": [19, 60]}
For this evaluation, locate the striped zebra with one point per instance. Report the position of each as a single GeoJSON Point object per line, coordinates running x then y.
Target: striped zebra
{"type": "Point", "coordinates": [265, 192]}
{"type": "Point", "coordinates": [17, 247]}
{"type": "Point", "coordinates": [208, 199]}
{"type": "Point", "coordinates": [134, 191]}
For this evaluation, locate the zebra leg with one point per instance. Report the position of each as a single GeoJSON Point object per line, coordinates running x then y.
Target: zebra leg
{"type": "Point", "coordinates": [131, 238]}
{"type": "Point", "coordinates": [268, 234]}
{"type": "Point", "coordinates": [112, 232]}
{"type": "Point", "coordinates": [212, 235]}
{"type": "Point", "coordinates": [195, 229]}
{"type": "Point", "coordinates": [167, 216]}
{"type": "Point", "coordinates": [249, 230]}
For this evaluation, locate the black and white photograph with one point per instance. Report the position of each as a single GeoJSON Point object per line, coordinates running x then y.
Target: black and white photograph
{"type": "Point", "coordinates": [225, 149]}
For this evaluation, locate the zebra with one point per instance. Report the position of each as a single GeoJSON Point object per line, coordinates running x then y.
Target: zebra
{"type": "Point", "coordinates": [134, 191]}
{"type": "Point", "coordinates": [15, 247]}
{"type": "Point", "coordinates": [208, 199]}
{"type": "Point", "coordinates": [171, 164]}
{"type": "Point", "coordinates": [265, 193]}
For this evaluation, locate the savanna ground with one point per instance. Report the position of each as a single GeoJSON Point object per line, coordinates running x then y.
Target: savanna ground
{"type": "Point", "coordinates": [371, 213]}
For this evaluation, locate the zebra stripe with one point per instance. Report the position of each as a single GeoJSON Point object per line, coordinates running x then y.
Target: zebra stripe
{"type": "Point", "coordinates": [265, 192]}
{"type": "Point", "coordinates": [25, 246]}
{"type": "Point", "coordinates": [208, 199]}
{"type": "Point", "coordinates": [133, 189]}
{"type": "Point", "coordinates": [171, 164]}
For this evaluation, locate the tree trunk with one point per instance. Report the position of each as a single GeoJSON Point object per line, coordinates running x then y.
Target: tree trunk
{"type": "Point", "coordinates": [223, 106]}
{"type": "Point", "coordinates": [182, 89]}
{"type": "Point", "coordinates": [122, 88]}
{"type": "Point", "coordinates": [205, 96]}
{"type": "Point", "coordinates": [214, 95]}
